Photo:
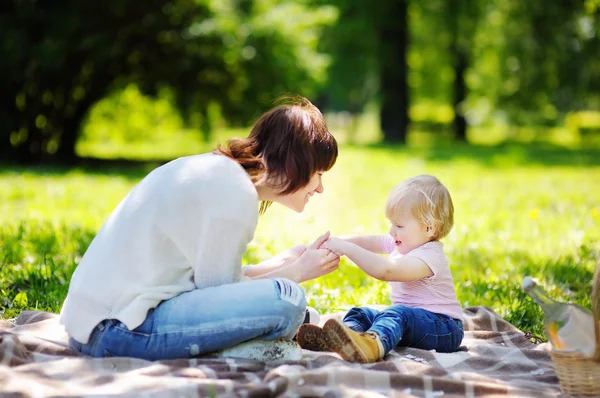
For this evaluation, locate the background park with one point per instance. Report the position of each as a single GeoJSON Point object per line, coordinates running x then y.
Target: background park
{"type": "Point", "coordinates": [500, 99]}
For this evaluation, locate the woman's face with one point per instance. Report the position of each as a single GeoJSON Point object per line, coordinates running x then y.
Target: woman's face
{"type": "Point", "coordinates": [297, 200]}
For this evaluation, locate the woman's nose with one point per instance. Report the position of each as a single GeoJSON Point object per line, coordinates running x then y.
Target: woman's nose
{"type": "Point", "coordinates": [320, 188]}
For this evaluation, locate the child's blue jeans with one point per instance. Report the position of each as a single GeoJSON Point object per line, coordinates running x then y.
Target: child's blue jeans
{"type": "Point", "coordinates": [203, 321]}
{"type": "Point", "coordinates": [403, 326]}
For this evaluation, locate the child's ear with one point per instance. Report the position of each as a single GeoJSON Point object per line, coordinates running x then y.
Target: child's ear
{"type": "Point", "coordinates": [430, 231]}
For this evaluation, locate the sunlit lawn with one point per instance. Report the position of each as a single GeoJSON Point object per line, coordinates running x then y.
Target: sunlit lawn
{"type": "Point", "coordinates": [520, 210]}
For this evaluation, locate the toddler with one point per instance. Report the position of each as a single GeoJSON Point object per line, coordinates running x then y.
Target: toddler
{"type": "Point", "coordinates": [424, 312]}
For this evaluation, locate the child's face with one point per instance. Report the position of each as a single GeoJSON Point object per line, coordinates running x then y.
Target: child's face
{"type": "Point", "coordinates": [409, 233]}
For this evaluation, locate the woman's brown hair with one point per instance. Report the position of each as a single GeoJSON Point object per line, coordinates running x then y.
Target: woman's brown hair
{"type": "Point", "coordinates": [291, 142]}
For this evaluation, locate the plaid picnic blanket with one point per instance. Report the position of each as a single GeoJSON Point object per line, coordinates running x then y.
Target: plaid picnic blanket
{"type": "Point", "coordinates": [496, 359]}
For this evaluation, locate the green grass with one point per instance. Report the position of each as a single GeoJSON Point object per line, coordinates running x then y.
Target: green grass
{"type": "Point", "coordinates": [521, 209]}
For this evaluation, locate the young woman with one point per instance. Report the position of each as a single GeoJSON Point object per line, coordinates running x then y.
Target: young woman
{"type": "Point", "coordinates": [163, 279]}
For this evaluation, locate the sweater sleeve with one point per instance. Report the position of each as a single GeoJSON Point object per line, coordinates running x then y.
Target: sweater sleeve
{"type": "Point", "coordinates": [230, 216]}
{"type": "Point", "coordinates": [222, 242]}
{"type": "Point", "coordinates": [210, 216]}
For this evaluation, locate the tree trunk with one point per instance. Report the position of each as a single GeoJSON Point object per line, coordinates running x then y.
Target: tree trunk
{"type": "Point", "coordinates": [459, 94]}
{"type": "Point", "coordinates": [8, 110]}
{"type": "Point", "coordinates": [68, 140]}
{"type": "Point", "coordinates": [393, 34]}
{"type": "Point", "coordinates": [72, 128]}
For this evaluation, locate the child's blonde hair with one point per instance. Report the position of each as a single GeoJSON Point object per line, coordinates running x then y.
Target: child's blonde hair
{"type": "Point", "coordinates": [427, 199]}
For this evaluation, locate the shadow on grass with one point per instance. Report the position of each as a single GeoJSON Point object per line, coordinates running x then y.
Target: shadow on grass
{"type": "Point", "coordinates": [516, 154]}
{"type": "Point", "coordinates": [126, 168]}
{"type": "Point", "coordinates": [503, 155]}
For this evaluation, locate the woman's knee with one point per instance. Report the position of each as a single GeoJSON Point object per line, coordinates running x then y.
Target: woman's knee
{"type": "Point", "coordinates": [291, 292]}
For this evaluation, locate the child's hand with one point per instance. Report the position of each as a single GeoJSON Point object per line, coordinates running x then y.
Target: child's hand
{"type": "Point", "coordinates": [317, 261]}
{"type": "Point", "coordinates": [336, 245]}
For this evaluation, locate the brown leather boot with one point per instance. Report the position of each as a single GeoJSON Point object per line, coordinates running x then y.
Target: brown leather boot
{"type": "Point", "coordinates": [350, 345]}
{"type": "Point", "coordinates": [312, 337]}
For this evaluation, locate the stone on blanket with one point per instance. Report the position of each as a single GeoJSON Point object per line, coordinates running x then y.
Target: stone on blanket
{"type": "Point", "coordinates": [264, 350]}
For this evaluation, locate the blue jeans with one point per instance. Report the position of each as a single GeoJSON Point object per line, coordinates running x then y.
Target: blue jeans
{"type": "Point", "coordinates": [403, 326]}
{"type": "Point", "coordinates": [202, 321]}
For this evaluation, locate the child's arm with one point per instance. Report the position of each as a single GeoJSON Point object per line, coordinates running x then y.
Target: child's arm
{"type": "Point", "coordinates": [402, 269]}
{"type": "Point", "coordinates": [372, 243]}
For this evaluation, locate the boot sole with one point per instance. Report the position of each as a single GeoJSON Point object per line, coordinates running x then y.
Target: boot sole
{"type": "Point", "coordinates": [313, 338]}
{"type": "Point", "coordinates": [340, 342]}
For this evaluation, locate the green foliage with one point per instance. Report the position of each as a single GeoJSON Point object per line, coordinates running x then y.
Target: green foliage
{"type": "Point", "coordinates": [432, 52]}
{"type": "Point", "coordinates": [536, 60]}
{"type": "Point", "coordinates": [528, 63]}
{"type": "Point", "coordinates": [271, 46]}
{"type": "Point", "coordinates": [352, 43]}
{"type": "Point", "coordinates": [585, 124]}
{"type": "Point", "coordinates": [129, 116]}
{"type": "Point", "coordinates": [62, 58]}
{"type": "Point", "coordinates": [520, 210]}
{"type": "Point", "coordinates": [216, 62]}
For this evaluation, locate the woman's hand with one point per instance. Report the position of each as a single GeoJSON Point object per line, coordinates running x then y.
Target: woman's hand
{"type": "Point", "coordinates": [317, 261]}
{"type": "Point", "coordinates": [335, 245]}
{"type": "Point", "coordinates": [296, 251]}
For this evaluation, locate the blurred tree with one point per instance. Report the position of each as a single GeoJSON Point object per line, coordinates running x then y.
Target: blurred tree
{"type": "Point", "coordinates": [62, 57]}
{"type": "Point", "coordinates": [506, 61]}
{"type": "Point", "coordinates": [533, 62]}
{"type": "Point", "coordinates": [392, 33]}
{"type": "Point", "coordinates": [430, 67]}
{"type": "Point", "coordinates": [368, 45]}
{"type": "Point", "coordinates": [59, 58]}
{"type": "Point", "coordinates": [444, 35]}
{"type": "Point", "coordinates": [461, 17]}
{"type": "Point", "coordinates": [352, 73]}
{"type": "Point", "coordinates": [550, 62]}
{"type": "Point", "coordinates": [275, 46]}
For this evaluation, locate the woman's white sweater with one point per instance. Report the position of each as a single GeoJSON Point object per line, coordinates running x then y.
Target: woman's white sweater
{"type": "Point", "coordinates": [184, 226]}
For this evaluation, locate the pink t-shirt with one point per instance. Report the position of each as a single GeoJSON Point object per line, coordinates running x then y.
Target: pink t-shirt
{"type": "Point", "coordinates": [435, 293]}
